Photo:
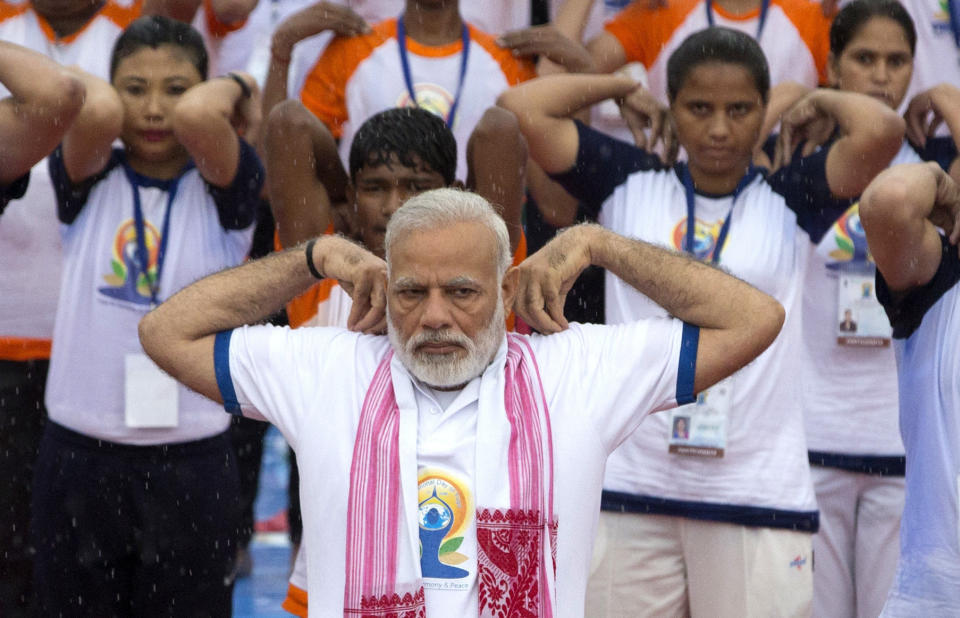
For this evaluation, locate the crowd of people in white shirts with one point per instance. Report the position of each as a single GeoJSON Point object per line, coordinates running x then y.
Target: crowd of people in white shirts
{"type": "Point", "coordinates": [783, 442]}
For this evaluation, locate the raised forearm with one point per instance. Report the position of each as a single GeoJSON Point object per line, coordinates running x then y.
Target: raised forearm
{"type": "Point", "coordinates": [899, 212]}
{"type": "Point", "coordinates": [44, 101]}
{"type": "Point", "coordinates": [246, 294]}
{"type": "Point", "coordinates": [544, 107]}
{"type": "Point", "coordinates": [304, 173]}
{"type": "Point", "coordinates": [561, 96]}
{"type": "Point", "coordinates": [686, 288]}
{"type": "Point", "coordinates": [862, 117]}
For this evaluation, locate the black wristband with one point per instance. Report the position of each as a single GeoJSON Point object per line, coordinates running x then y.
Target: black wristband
{"type": "Point", "coordinates": [313, 269]}
{"type": "Point", "coordinates": [244, 87]}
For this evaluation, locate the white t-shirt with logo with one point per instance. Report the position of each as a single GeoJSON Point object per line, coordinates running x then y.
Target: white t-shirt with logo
{"type": "Point", "coordinates": [599, 383]}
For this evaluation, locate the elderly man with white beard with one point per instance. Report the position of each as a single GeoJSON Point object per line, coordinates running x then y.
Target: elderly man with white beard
{"type": "Point", "coordinates": [450, 468]}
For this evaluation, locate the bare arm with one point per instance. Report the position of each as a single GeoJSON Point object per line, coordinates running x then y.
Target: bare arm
{"type": "Point", "coordinates": [737, 322]}
{"type": "Point", "coordinates": [204, 120]}
{"type": "Point", "coordinates": [900, 212]}
{"type": "Point", "coordinates": [607, 53]}
{"type": "Point", "coordinates": [305, 23]}
{"type": "Point", "coordinates": [497, 159]}
{"type": "Point", "coordinates": [570, 20]}
{"type": "Point", "coordinates": [87, 144]}
{"type": "Point", "coordinates": [44, 100]}
{"type": "Point", "coordinates": [544, 107]}
{"type": "Point", "coordinates": [927, 110]}
{"type": "Point", "coordinates": [179, 334]}
{"type": "Point", "coordinates": [871, 133]}
{"type": "Point", "coordinates": [305, 177]}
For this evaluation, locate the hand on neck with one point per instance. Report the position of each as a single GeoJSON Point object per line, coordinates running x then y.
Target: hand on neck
{"type": "Point", "coordinates": [433, 22]}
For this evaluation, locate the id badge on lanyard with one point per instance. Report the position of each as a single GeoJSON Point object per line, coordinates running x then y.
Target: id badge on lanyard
{"type": "Point", "coordinates": [700, 428]}
{"type": "Point", "coordinates": [861, 320]}
{"type": "Point", "coordinates": [150, 395]}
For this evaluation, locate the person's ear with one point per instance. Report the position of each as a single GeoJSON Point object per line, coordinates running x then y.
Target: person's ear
{"type": "Point", "coordinates": [511, 282]}
{"type": "Point", "coordinates": [832, 77]}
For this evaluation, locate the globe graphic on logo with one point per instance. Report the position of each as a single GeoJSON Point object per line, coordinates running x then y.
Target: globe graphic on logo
{"type": "Point", "coordinates": [434, 515]}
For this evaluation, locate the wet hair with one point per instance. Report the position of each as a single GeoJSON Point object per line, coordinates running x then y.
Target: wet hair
{"type": "Point", "coordinates": [855, 15]}
{"type": "Point", "coordinates": [406, 132]}
{"type": "Point", "coordinates": [155, 30]}
{"type": "Point", "coordinates": [717, 44]}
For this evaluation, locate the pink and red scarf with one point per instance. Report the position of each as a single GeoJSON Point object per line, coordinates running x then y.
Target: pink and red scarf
{"type": "Point", "coordinates": [516, 527]}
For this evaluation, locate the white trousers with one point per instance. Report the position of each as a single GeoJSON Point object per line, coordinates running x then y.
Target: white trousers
{"type": "Point", "coordinates": [858, 545]}
{"type": "Point", "coordinates": [663, 567]}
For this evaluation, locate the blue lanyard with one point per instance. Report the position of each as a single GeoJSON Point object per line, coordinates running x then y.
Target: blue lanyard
{"type": "Point", "coordinates": [142, 255]}
{"type": "Point", "coordinates": [688, 244]}
{"type": "Point", "coordinates": [407, 77]}
{"type": "Point", "coordinates": [764, 6]}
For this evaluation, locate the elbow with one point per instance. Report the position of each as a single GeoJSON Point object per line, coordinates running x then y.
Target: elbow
{"type": "Point", "coordinates": [147, 330]}
{"type": "Point", "coordinates": [509, 100]}
{"type": "Point", "coordinates": [288, 120]}
{"type": "Point", "coordinates": [887, 201]}
{"type": "Point", "coordinates": [190, 116]}
{"type": "Point", "coordinates": [66, 98]}
{"type": "Point", "coordinates": [774, 316]}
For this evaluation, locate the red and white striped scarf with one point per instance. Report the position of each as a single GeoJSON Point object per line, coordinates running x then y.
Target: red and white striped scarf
{"type": "Point", "coordinates": [516, 530]}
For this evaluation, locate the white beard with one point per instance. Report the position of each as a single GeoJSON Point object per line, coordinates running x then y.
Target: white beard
{"type": "Point", "coordinates": [449, 370]}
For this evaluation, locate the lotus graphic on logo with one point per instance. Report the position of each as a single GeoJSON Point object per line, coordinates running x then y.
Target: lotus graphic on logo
{"type": "Point", "coordinates": [798, 562]}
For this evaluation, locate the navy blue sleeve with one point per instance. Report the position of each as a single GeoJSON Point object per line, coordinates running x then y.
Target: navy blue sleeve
{"type": "Point", "coordinates": [803, 185]}
{"type": "Point", "coordinates": [906, 309]}
{"type": "Point", "coordinates": [943, 150]}
{"type": "Point", "coordinates": [237, 204]}
{"type": "Point", "coordinates": [72, 197]}
{"type": "Point", "coordinates": [603, 164]}
{"type": "Point", "coordinates": [14, 190]}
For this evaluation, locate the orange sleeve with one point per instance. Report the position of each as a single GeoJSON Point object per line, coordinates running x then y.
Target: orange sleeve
{"type": "Point", "coordinates": [324, 91]}
{"type": "Point", "coordinates": [643, 31]}
{"type": "Point", "coordinates": [516, 70]}
{"type": "Point", "coordinates": [215, 27]}
{"type": "Point", "coordinates": [814, 29]}
{"type": "Point", "coordinates": [296, 601]}
{"type": "Point", "coordinates": [519, 255]}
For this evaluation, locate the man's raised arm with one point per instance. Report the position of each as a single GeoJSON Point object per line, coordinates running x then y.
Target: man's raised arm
{"type": "Point", "coordinates": [179, 334]}
{"type": "Point", "coordinates": [737, 322]}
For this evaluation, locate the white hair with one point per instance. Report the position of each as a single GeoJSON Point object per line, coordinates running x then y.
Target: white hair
{"type": "Point", "coordinates": [440, 208]}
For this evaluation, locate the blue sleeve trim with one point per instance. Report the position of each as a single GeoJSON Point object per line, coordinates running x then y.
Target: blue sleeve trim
{"type": "Point", "coordinates": [221, 366]}
{"type": "Point", "coordinates": [943, 150]}
{"type": "Point", "coordinates": [876, 465]}
{"type": "Point", "coordinates": [804, 187]}
{"type": "Point", "coordinates": [603, 164]}
{"type": "Point", "coordinates": [753, 516]}
{"type": "Point", "coordinates": [906, 309]}
{"type": "Point", "coordinates": [238, 203]}
{"type": "Point", "coordinates": [687, 369]}
{"type": "Point", "coordinates": [72, 197]}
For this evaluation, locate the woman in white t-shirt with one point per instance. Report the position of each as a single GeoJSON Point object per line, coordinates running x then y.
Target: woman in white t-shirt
{"type": "Point", "coordinates": [136, 487]}
{"type": "Point", "coordinates": [717, 521]}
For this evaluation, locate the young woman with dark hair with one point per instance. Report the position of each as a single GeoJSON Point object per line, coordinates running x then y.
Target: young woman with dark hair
{"type": "Point", "coordinates": [136, 489]}
{"type": "Point", "coordinates": [717, 522]}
